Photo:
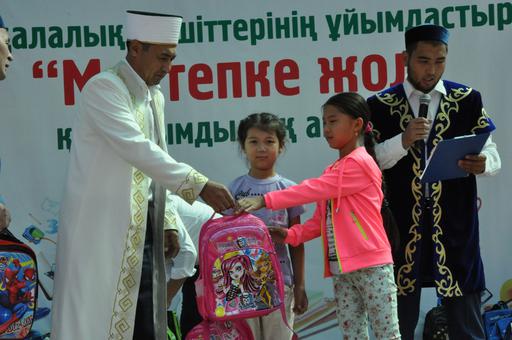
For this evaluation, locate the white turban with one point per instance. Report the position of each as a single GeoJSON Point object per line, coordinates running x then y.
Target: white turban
{"type": "Point", "coordinates": [153, 28]}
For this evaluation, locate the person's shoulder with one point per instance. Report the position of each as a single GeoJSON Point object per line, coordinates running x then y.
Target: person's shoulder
{"type": "Point", "coordinates": [450, 85]}
{"type": "Point", "coordinates": [362, 159]}
{"type": "Point", "coordinates": [333, 166]}
{"type": "Point", "coordinates": [236, 182]}
{"type": "Point", "coordinates": [386, 92]}
{"type": "Point", "coordinates": [286, 182]}
{"type": "Point", "coordinates": [454, 86]}
{"type": "Point", "coordinates": [392, 89]}
{"type": "Point", "coordinates": [459, 90]}
{"type": "Point", "coordinates": [104, 79]}
{"type": "Point", "coordinates": [240, 178]}
{"type": "Point", "coordinates": [359, 155]}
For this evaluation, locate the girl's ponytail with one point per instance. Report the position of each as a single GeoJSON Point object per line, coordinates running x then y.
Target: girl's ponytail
{"type": "Point", "coordinates": [387, 215]}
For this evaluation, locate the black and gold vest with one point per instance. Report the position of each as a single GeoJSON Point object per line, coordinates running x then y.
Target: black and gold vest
{"type": "Point", "coordinates": [447, 228]}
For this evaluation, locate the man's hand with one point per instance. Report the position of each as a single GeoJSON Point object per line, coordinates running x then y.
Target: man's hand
{"type": "Point", "coordinates": [417, 129]}
{"type": "Point", "coordinates": [473, 164]}
{"type": "Point", "coordinates": [300, 305]}
{"type": "Point", "coordinates": [217, 196]}
{"type": "Point", "coordinates": [250, 204]}
{"type": "Point", "coordinates": [278, 234]}
{"type": "Point", "coordinates": [171, 243]}
{"type": "Point", "coordinates": [5, 217]}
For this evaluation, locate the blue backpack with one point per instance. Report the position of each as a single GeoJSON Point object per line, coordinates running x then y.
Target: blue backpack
{"type": "Point", "coordinates": [497, 323]}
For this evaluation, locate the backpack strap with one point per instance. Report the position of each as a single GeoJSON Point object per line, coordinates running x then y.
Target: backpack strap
{"type": "Point", "coordinates": [285, 320]}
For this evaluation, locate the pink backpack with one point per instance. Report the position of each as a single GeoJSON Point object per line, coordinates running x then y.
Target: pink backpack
{"type": "Point", "coordinates": [221, 330]}
{"type": "Point", "coordinates": [240, 276]}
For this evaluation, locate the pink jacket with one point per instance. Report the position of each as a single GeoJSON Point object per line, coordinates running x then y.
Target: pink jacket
{"type": "Point", "coordinates": [353, 184]}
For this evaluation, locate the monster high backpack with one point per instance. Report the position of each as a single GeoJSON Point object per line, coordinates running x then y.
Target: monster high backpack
{"type": "Point", "coordinates": [239, 273]}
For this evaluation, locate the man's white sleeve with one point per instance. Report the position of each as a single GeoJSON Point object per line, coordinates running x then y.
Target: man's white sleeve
{"type": "Point", "coordinates": [390, 152]}
{"type": "Point", "coordinates": [108, 110]}
{"type": "Point", "coordinates": [493, 161]}
{"type": "Point", "coordinates": [182, 265]}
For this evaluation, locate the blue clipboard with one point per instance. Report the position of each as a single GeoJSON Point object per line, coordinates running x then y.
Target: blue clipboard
{"type": "Point", "coordinates": [442, 163]}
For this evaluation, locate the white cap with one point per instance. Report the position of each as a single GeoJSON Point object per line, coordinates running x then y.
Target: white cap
{"type": "Point", "coordinates": [153, 28]}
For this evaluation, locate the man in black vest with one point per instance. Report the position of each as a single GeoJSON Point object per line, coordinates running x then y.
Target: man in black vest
{"type": "Point", "coordinates": [438, 222]}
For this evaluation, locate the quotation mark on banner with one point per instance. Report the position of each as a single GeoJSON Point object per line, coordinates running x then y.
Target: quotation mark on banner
{"type": "Point", "coordinates": [51, 69]}
{"type": "Point", "coordinates": [71, 74]}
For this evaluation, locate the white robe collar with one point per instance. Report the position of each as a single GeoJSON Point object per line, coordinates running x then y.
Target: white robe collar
{"type": "Point", "coordinates": [138, 87]}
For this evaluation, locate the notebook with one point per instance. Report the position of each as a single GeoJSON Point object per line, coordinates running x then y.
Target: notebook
{"type": "Point", "coordinates": [442, 163]}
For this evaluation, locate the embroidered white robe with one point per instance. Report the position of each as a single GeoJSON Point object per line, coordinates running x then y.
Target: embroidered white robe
{"type": "Point", "coordinates": [104, 209]}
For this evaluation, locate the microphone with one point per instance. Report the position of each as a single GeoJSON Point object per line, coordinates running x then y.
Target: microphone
{"type": "Point", "coordinates": [424, 101]}
{"type": "Point", "coordinates": [423, 111]}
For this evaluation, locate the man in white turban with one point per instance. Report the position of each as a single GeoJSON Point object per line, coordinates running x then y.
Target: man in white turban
{"type": "Point", "coordinates": [114, 216]}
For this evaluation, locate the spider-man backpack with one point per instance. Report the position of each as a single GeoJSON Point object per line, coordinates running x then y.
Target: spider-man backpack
{"type": "Point", "coordinates": [18, 287]}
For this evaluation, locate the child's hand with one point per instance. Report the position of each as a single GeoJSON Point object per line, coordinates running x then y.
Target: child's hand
{"type": "Point", "coordinates": [250, 204]}
{"type": "Point", "coordinates": [278, 234]}
{"type": "Point", "coordinates": [301, 300]}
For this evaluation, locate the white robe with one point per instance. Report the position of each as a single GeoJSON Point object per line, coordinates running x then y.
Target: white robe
{"type": "Point", "coordinates": [104, 209]}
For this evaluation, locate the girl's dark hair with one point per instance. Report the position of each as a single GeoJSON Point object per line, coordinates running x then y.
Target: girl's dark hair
{"type": "Point", "coordinates": [352, 104]}
{"type": "Point", "coordinates": [264, 121]}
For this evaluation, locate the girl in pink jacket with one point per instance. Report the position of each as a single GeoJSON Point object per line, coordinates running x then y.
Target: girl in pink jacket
{"type": "Point", "coordinates": [348, 217]}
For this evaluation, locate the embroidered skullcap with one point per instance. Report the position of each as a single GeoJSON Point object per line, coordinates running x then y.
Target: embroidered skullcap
{"type": "Point", "coordinates": [426, 33]}
{"type": "Point", "coordinates": [153, 28]}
